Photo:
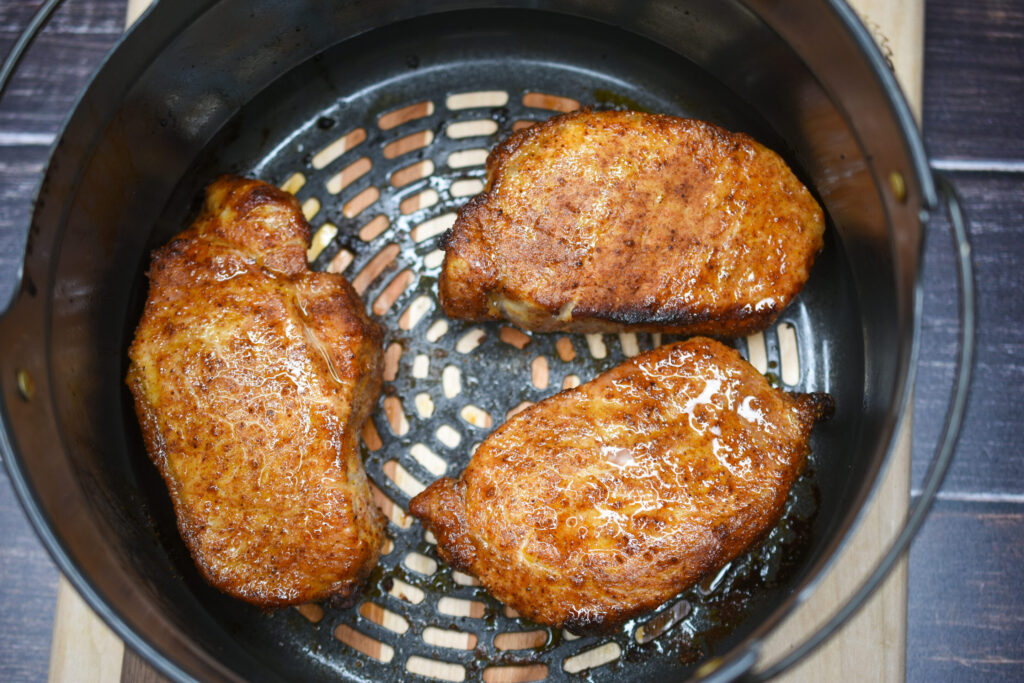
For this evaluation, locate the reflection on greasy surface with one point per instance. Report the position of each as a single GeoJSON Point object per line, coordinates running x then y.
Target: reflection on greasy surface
{"type": "Point", "coordinates": [604, 501]}
{"type": "Point", "coordinates": [252, 379]}
{"type": "Point", "coordinates": [604, 221]}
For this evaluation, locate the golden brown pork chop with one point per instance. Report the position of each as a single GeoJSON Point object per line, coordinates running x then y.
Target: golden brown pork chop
{"type": "Point", "coordinates": [252, 379]}
{"type": "Point", "coordinates": [605, 221]}
{"type": "Point", "coordinates": [604, 501]}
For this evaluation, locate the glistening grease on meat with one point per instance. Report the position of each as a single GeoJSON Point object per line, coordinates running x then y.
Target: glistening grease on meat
{"type": "Point", "coordinates": [610, 221]}
{"type": "Point", "coordinates": [252, 379]}
{"type": "Point", "coordinates": [604, 501]}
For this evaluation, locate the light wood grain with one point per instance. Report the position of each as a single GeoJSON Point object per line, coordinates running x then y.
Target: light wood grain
{"type": "Point", "coordinates": [84, 648]}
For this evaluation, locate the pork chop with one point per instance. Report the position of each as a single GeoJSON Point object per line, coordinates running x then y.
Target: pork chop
{"type": "Point", "coordinates": [252, 378]}
{"type": "Point", "coordinates": [610, 221]}
{"type": "Point", "coordinates": [604, 501]}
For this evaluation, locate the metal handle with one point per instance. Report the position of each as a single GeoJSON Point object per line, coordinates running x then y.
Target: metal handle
{"type": "Point", "coordinates": [941, 458]}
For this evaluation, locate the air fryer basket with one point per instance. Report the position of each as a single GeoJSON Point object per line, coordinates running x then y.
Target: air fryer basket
{"type": "Point", "coordinates": [379, 120]}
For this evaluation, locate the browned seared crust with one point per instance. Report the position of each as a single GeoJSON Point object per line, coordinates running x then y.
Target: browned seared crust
{"type": "Point", "coordinates": [607, 221]}
{"type": "Point", "coordinates": [605, 500]}
{"type": "Point", "coordinates": [252, 379]}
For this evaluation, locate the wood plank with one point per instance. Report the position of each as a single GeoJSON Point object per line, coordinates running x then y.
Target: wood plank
{"type": "Point", "coordinates": [974, 78]}
{"type": "Point", "coordinates": [84, 648]}
{"type": "Point", "coordinates": [28, 593]}
{"type": "Point", "coordinates": [988, 460]}
{"type": "Point", "coordinates": [967, 569]}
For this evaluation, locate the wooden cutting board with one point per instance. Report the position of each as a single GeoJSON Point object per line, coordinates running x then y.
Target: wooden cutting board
{"type": "Point", "coordinates": [871, 647]}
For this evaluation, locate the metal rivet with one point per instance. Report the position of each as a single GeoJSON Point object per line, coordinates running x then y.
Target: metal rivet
{"type": "Point", "coordinates": [26, 386]}
{"type": "Point", "coordinates": [708, 667]}
{"type": "Point", "coordinates": [898, 185]}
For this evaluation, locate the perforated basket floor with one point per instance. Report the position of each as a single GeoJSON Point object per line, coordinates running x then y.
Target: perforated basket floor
{"type": "Point", "coordinates": [382, 144]}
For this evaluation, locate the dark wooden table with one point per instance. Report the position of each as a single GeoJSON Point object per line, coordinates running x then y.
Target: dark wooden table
{"type": "Point", "coordinates": [966, 602]}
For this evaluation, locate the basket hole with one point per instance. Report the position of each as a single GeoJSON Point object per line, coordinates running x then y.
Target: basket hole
{"type": "Point", "coordinates": [408, 484]}
{"type": "Point", "coordinates": [409, 143]}
{"type": "Point", "coordinates": [424, 406]}
{"type": "Point", "coordinates": [395, 118]}
{"type": "Point", "coordinates": [393, 291]}
{"type": "Point", "coordinates": [448, 436]}
{"type": "Point", "coordinates": [363, 643]}
{"type": "Point", "coordinates": [460, 607]}
{"type": "Point", "coordinates": [570, 382]}
{"type": "Point", "coordinates": [421, 200]}
{"type": "Point", "coordinates": [387, 546]}
{"type": "Point", "coordinates": [338, 147]}
{"type": "Point", "coordinates": [757, 354]}
{"type": "Point", "coordinates": [384, 618]}
{"type": "Point", "coordinates": [470, 340]}
{"type": "Point", "coordinates": [412, 173]}
{"type": "Point", "coordinates": [477, 98]}
{"type": "Point", "coordinates": [294, 183]}
{"type": "Point", "coordinates": [414, 313]}
{"type": "Point", "coordinates": [520, 640]}
{"type": "Point", "coordinates": [789, 356]}
{"type": "Point", "coordinates": [515, 674]}
{"type": "Point", "coordinates": [539, 372]}
{"type": "Point", "coordinates": [566, 351]}
{"type": "Point", "coordinates": [471, 129]}
{"type": "Point", "coordinates": [377, 265]}
{"type": "Point", "coordinates": [371, 439]}
{"type": "Point", "coordinates": [629, 344]}
{"type": "Point", "coordinates": [394, 512]}
{"type": "Point", "coordinates": [374, 228]}
{"type": "Point", "coordinates": [522, 123]}
{"type": "Point", "coordinates": [428, 459]}
{"type": "Point", "coordinates": [464, 579]}
{"type": "Point", "coordinates": [538, 100]}
{"type": "Point", "coordinates": [310, 208]}
{"type": "Point", "coordinates": [322, 237]}
{"type": "Point", "coordinates": [433, 227]}
{"type": "Point", "coordinates": [466, 187]}
{"type": "Point", "coordinates": [595, 344]}
{"type": "Point", "coordinates": [467, 158]}
{"type": "Point", "coordinates": [654, 627]}
{"type": "Point", "coordinates": [342, 260]}
{"type": "Point", "coordinates": [406, 592]}
{"type": "Point", "coordinates": [313, 612]}
{"type": "Point", "coordinates": [655, 340]}
{"type": "Point", "coordinates": [348, 175]}
{"type": "Point", "coordinates": [396, 416]}
{"type": "Point", "coordinates": [517, 409]}
{"type": "Point", "coordinates": [438, 329]}
{"type": "Point", "coordinates": [433, 259]}
{"type": "Point", "coordinates": [451, 381]}
{"type": "Point", "coordinates": [392, 355]}
{"type": "Point", "coordinates": [569, 635]}
{"type": "Point", "coordinates": [709, 584]}
{"type": "Point", "coordinates": [429, 537]}
{"type": "Point", "coordinates": [420, 366]}
{"type": "Point", "coordinates": [476, 416]}
{"type": "Point", "coordinates": [420, 563]}
{"type": "Point", "coordinates": [361, 202]}
{"type": "Point", "coordinates": [514, 337]}
{"type": "Point", "coordinates": [511, 612]}
{"type": "Point", "coordinates": [455, 640]}
{"type": "Point", "coordinates": [588, 659]}
{"type": "Point", "coordinates": [432, 668]}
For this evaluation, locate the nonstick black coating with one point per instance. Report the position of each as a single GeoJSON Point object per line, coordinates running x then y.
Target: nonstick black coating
{"type": "Point", "coordinates": [349, 87]}
{"type": "Point", "coordinates": [848, 321]}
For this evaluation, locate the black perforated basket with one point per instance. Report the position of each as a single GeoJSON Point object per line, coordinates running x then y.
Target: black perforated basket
{"type": "Point", "coordinates": [379, 116]}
